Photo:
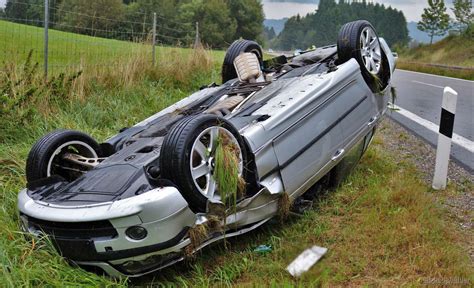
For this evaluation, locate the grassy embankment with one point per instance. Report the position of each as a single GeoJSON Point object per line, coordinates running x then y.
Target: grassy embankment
{"type": "Point", "coordinates": [69, 49]}
{"type": "Point", "coordinates": [381, 226]}
{"type": "Point", "coordinates": [451, 51]}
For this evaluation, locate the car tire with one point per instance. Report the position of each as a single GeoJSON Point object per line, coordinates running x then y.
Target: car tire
{"type": "Point", "coordinates": [43, 154]}
{"type": "Point", "coordinates": [236, 48]}
{"type": "Point", "coordinates": [352, 43]}
{"type": "Point", "coordinates": [179, 156]}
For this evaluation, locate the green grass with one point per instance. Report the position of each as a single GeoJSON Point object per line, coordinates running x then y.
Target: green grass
{"type": "Point", "coordinates": [102, 115]}
{"type": "Point", "coordinates": [423, 68]}
{"type": "Point", "coordinates": [382, 228]}
{"type": "Point", "coordinates": [451, 51]}
{"type": "Point", "coordinates": [70, 49]}
{"type": "Point", "coordinates": [99, 102]}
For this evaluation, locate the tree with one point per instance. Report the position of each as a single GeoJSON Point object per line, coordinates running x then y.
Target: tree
{"type": "Point", "coordinates": [322, 27]}
{"type": "Point", "coordinates": [463, 12]}
{"type": "Point", "coordinates": [91, 17]}
{"type": "Point", "coordinates": [217, 27]}
{"type": "Point", "coordinates": [15, 10]}
{"type": "Point", "coordinates": [268, 35]}
{"type": "Point", "coordinates": [249, 17]}
{"type": "Point", "coordinates": [434, 20]}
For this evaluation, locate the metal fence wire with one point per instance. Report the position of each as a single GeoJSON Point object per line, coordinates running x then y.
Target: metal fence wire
{"type": "Point", "coordinates": [60, 39]}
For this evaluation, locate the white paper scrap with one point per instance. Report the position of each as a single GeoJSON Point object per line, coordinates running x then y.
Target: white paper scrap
{"type": "Point", "coordinates": [306, 260]}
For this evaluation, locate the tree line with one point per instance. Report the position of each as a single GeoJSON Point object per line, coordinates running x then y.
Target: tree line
{"type": "Point", "coordinates": [220, 21]}
{"type": "Point", "coordinates": [322, 27]}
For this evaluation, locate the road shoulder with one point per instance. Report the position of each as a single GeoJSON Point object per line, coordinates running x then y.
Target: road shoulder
{"type": "Point", "coordinates": [458, 199]}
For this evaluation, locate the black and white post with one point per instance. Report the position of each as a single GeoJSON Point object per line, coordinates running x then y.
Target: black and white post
{"type": "Point", "coordinates": [448, 111]}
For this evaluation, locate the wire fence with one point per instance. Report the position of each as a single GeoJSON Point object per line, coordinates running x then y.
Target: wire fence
{"type": "Point", "coordinates": [59, 39]}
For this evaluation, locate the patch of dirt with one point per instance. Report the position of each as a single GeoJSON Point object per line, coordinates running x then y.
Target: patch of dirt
{"type": "Point", "coordinates": [458, 201]}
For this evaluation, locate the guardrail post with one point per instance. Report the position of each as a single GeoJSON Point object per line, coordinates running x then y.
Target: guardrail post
{"type": "Point", "coordinates": [448, 111]}
{"type": "Point", "coordinates": [153, 41]}
{"type": "Point", "coordinates": [46, 37]}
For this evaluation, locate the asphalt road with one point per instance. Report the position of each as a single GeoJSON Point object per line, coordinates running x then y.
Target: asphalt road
{"type": "Point", "coordinates": [419, 97]}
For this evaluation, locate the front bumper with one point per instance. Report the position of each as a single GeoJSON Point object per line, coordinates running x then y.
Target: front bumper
{"type": "Point", "coordinates": [95, 234]}
{"type": "Point", "coordinates": [101, 241]}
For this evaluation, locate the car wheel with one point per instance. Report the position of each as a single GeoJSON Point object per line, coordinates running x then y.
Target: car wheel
{"type": "Point", "coordinates": [188, 157]}
{"type": "Point", "coordinates": [359, 40]}
{"type": "Point", "coordinates": [235, 49]}
{"type": "Point", "coordinates": [45, 157]}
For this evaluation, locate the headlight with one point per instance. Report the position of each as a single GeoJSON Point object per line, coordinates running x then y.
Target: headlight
{"type": "Point", "coordinates": [136, 232]}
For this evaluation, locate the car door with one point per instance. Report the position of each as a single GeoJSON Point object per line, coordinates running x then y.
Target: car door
{"type": "Point", "coordinates": [308, 147]}
{"type": "Point", "coordinates": [360, 107]}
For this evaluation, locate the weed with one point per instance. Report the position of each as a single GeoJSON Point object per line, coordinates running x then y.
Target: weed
{"type": "Point", "coordinates": [229, 183]}
{"type": "Point", "coordinates": [214, 224]}
{"type": "Point", "coordinates": [284, 206]}
{"type": "Point", "coordinates": [198, 234]}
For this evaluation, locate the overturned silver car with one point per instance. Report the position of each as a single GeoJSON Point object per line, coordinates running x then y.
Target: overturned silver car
{"type": "Point", "coordinates": [131, 204]}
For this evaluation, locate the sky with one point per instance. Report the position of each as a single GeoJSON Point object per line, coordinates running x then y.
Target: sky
{"type": "Point", "coordinates": [286, 8]}
{"type": "Point", "coordinates": [277, 10]}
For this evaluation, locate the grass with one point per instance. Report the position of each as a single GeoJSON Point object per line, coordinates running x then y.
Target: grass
{"type": "Point", "coordinates": [100, 103]}
{"type": "Point", "coordinates": [423, 68]}
{"type": "Point", "coordinates": [382, 228]}
{"type": "Point", "coordinates": [451, 51]}
{"type": "Point", "coordinates": [71, 50]}
{"type": "Point", "coordinates": [229, 184]}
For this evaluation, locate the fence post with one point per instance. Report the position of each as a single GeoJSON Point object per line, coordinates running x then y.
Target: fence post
{"type": "Point", "coordinates": [153, 41]}
{"type": "Point", "coordinates": [46, 36]}
{"type": "Point", "coordinates": [448, 111]}
{"type": "Point", "coordinates": [197, 41]}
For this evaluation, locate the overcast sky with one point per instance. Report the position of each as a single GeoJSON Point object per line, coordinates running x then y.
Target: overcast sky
{"type": "Point", "coordinates": [277, 10]}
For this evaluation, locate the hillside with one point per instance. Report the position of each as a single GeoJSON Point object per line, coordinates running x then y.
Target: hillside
{"type": "Point", "coordinates": [452, 50]}
{"type": "Point", "coordinates": [69, 50]}
{"type": "Point", "coordinates": [65, 48]}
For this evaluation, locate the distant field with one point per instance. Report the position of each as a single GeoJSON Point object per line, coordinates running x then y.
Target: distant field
{"type": "Point", "coordinates": [68, 49]}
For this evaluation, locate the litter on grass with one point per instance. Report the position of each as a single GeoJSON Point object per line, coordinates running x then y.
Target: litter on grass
{"type": "Point", "coordinates": [306, 260]}
{"type": "Point", "coordinates": [263, 249]}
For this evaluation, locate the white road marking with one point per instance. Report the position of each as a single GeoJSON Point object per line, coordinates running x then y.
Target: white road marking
{"type": "Point", "coordinates": [457, 139]}
{"type": "Point", "coordinates": [427, 84]}
{"type": "Point", "coordinates": [438, 76]}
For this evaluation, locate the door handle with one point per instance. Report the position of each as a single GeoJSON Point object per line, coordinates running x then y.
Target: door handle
{"type": "Point", "coordinates": [372, 121]}
{"type": "Point", "coordinates": [338, 154]}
